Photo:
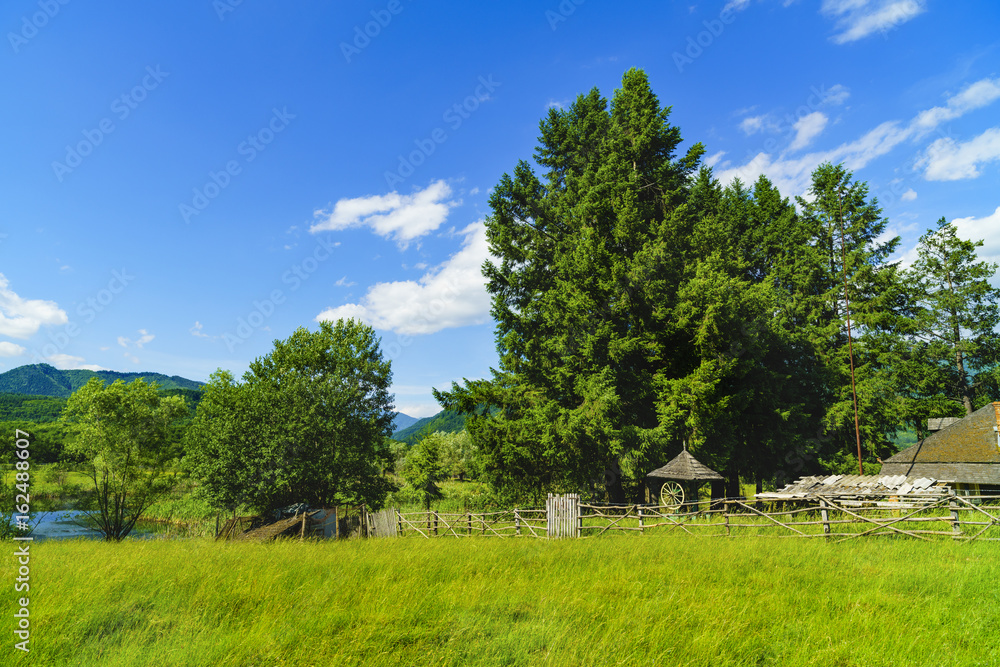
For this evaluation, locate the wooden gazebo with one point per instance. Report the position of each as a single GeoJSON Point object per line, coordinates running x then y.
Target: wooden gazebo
{"type": "Point", "coordinates": [678, 479]}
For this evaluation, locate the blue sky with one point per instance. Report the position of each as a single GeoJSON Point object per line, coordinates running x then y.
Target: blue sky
{"type": "Point", "coordinates": [182, 183]}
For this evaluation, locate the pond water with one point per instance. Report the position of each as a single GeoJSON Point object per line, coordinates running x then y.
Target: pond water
{"type": "Point", "coordinates": [65, 524]}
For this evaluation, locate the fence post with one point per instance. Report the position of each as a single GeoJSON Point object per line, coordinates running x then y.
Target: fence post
{"type": "Point", "coordinates": [725, 516]}
{"type": "Point", "coordinates": [550, 517]}
{"type": "Point", "coordinates": [575, 502]}
{"type": "Point", "coordinates": [517, 522]}
{"type": "Point", "coordinates": [435, 522]}
{"type": "Point", "coordinates": [640, 519]}
{"type": "Point", "coordinates": [468, 526]}
{"type": "Point", "coordinates": [825, 514]}
{"type": "Point", "coordinates": [956, 527]}
{"type": "Point", "coordinates": [217, 524]}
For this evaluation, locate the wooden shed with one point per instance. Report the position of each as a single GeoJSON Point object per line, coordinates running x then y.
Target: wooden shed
{"type": "Point", "coordinates": [678, 481]}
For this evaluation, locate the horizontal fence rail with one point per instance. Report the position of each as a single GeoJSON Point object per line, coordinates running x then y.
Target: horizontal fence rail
{"type": "Point", "coordinates": [919, 517]}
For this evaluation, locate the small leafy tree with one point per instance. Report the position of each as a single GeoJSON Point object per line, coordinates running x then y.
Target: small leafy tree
{"type": "Point", "coordinates": [122, 430]}
{"type": "Point", "coordinates": [422, 469]}
{"type": "Point", "coordinates": [459, 455]}
{"type": "Point", "coordinates": [309, 423]}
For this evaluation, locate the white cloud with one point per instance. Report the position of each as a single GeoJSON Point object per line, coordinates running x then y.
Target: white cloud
{"type": "Point", "coordinates": [836, 95]}
{"type": "Point", "coordinates": [419, 410]}
{"type": "Point", "coordinates": [792, 175]}
{"type": "Point", "coordinates": [975, 96]}
{"type": "Point", "coordinates": [400, 217]}
{"type": "Point", "coordinates": [144, 337]}
{"type": "Point", "coordinates": [909, 195]}
{"type": "Point", "coordinates": [21, 318]}
{"type": "Point", "coordinates": [11, 350]}
{"type": "Point", "coordinates": [713, 159]}
{"type": "Point", "coordinates": [344, 282]}
{"type": "Point", "coordinates": [982, 229]}
{"type": "Point", "coordinates": [946, 160]}
{"type": "Point", "coordinates": [451, 295]}
{"type": "Point", "coordinates": [68, 362]}
{"type": "Point", "coordinates": [752, 124]}
{"type": "Point", "coordinates": [857, 19]}
{"type": "Point", "coordinates": [195, 330]}
{"type": "Point", "coordinates": [808, 128]}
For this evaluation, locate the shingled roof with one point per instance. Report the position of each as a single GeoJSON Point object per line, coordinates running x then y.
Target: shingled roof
{"type": "Point", "coordinates": [686, 468]}
{"type": "Point", "coordinates": [965, 452]}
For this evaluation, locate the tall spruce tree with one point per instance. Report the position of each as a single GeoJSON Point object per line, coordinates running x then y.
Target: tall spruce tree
{"type": "Point", "coordinates": [954, 347]}
{"type": "Point", "coordinates": [626, 325]}
{"type": "Point", "coordinates": [853, 285]}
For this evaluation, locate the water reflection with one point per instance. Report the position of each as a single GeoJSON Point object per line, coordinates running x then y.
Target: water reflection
{"type": "Point", "coordinates": [66, 524]}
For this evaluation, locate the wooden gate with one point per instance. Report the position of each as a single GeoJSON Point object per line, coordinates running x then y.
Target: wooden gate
{"type": "Point", "coordinates": [563, 515]}
{"type": "Point", "coordinates": [383, 523]}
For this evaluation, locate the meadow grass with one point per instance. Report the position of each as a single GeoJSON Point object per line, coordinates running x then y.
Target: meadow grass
{"type": "Point", "coordinates": [619, 600]}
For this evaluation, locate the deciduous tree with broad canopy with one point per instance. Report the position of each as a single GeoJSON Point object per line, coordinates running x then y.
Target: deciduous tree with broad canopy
{"type": "Point", "coordinates": [308, 423]}
{"type": "Point", "coordinates": [123, 432]}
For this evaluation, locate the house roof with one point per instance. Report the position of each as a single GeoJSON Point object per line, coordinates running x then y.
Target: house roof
{"type": "Point", "coordinates": [857, 486]}
{"type": "Point", "coordinates": [686, 468]}
{"type": "Point", "coordinates": [965, 452]}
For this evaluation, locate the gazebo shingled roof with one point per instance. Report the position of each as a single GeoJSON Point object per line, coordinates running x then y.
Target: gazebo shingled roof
{"type": "Point", "coordinates": [686, 468]}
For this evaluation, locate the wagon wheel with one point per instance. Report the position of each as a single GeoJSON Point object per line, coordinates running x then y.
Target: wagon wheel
{"type": "Point", "coordinates": [671, 495]}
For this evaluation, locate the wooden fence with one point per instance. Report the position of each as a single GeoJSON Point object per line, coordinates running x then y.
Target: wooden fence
{"type": "Point", "coordinates": [956, 517]}
{"type": "Point", "coordinates": [913, 516]}
{"type": "Point", "coordinates": [504, 523]}
{"type": "Point", "coordinates": [920, 517]}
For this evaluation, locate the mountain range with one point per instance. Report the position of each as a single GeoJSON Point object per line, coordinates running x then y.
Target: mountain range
{"type": "Point", "coordinates": [46, 380]}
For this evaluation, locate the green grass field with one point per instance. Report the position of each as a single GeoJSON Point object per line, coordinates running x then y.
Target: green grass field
{"type": "Point", "coordinates": [620, 600]}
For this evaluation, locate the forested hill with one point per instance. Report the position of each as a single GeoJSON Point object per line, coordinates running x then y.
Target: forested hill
{"type": "Point", "coordinates": [46, 380]}
{"type": "Point", "coordinates": [446, 420]}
